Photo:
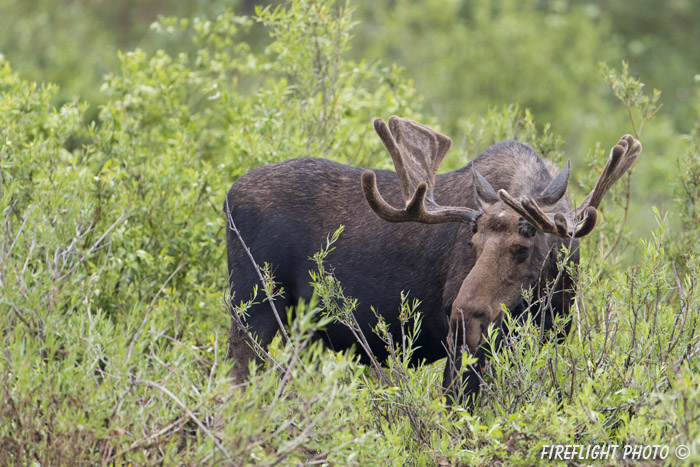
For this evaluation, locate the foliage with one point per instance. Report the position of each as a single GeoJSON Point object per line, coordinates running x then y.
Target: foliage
{"type": "Point", "coordinates": [111, 230]}
{"type": "Point", "coordinates": [469, 57]}
{"type": "Point", "coordinates": [687, 191]}
{"type": "Point", "coordinates": [112, 269]}
{"type": "Point", "coordinates": [75, 43]}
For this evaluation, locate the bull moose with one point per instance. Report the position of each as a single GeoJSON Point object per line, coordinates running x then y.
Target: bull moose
{"type": "Point", "coordinates": [465, 243]}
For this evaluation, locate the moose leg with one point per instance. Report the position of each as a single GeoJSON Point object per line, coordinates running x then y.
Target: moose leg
{"type": "Point", "coordinates": [461, 385]}
{"type": "Point", "coordinates": [240, 350]}
{"type": "Point", "coordinates": [249, 335]}
{"type": "Point", "coordinates": [472, 377]}
{"type": "Point", "coordinates": [451, 382]}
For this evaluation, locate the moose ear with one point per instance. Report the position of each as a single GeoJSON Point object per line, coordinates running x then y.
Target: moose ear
{"type": "Point", "coordinates": [556, 188]}
{"type": "Point", "coordinates": [485, 194]}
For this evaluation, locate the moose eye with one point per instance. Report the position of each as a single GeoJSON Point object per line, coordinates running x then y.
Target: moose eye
{"type": "Point", "coordinates": [521, 253]}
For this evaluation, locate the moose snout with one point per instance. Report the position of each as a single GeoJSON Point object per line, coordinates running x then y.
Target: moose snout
{"type": "Point", "coordinates": [470, 322]}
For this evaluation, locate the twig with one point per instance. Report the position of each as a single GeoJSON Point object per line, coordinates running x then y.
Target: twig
{"type": "Point", "coordinates": [139, 331]}
{"type": "Point", "coordinates": [268, 293]}
{"type": "Point", "coordinates": [93, 248]}
{"type": "Point", "coordinates": [288, 372]}
{"type": "Point", "coordinates": [216, 360]}
{"type": "Point", "coordinates": [623, 222]}
{"type": "Point", "coordinates": [190, 414]}
{"type": "Point", "coordinates": [236, 321]}
{"type": "Point", "coordinates": [21, 229]}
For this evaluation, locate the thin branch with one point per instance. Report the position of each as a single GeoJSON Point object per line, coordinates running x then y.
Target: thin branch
{"type": "Point", "coordinates": [268, 292]}
{"type": "Point", "coordinates": [190, 414]}
{"type": "Point", "coordinates": [93, 248]}
{"type": "Point", "coordinates": [147, 315]}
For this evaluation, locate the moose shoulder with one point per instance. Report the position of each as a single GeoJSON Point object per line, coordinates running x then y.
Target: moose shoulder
{"type": "Point", "coordinates": [464, 243]}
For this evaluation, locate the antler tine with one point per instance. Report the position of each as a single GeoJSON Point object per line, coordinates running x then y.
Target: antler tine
{"type": "Point", "coordinates": [622, 156]}
{"type": "Point", "coordinates": [532, 213]}
{"type": "Point", "coordinates": [416, 151]}
{"type": "Point", "coordinates": [580, 221]}
{"type": "Point", "coordinates": [587, 222]}
{"type": "Point", "coordinates": [558, 224]}
{"type": "Point", "coordinates": [415, 210]}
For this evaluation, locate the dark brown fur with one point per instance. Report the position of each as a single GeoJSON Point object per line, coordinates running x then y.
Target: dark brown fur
{"type": "Point", "coordinates": [285, 212]}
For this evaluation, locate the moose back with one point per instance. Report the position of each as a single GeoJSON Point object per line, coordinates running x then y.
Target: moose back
{"type": "Point", "coordinates": [464, 243]}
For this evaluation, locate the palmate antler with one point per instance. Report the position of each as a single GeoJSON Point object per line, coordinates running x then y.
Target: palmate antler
{"type": "Point", "coordinates": [582, 220]}
{"type": "Point", "coordinates": [417, 152]}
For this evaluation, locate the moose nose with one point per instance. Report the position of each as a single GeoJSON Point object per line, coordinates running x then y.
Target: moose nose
{"type": "Point", "coordinates": [484, 325]}
{"type": "Point", "coordinates": [472, 322]}
{"type": "Point", "coordinates": [481, 325]}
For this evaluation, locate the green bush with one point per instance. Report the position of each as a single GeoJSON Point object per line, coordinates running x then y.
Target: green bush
{"type": "Point", "coordinates": [113, 279]}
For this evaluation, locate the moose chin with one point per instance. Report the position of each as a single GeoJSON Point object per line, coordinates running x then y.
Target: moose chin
{"type": "Point", "coordinates": [464, 243]}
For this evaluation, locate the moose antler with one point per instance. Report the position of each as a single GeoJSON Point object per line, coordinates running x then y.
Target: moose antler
{"type": "Point", "coordinates": [417, 152]}
{"type": "Point", "coordinates": [582, 220]}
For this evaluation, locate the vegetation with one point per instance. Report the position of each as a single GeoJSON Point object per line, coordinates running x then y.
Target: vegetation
{"type": "Point", "coordinates": [112, 258]}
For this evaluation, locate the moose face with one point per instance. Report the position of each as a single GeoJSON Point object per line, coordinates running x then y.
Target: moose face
{"type": "Point", "coordinates": [506, 263]}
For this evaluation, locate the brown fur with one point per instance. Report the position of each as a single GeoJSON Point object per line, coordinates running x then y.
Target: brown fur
{"type": "Point", "coordinates": [465, 270]}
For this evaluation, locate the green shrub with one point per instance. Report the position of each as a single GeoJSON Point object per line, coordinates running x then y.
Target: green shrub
{"type": "Point", "coordinates": [113, 280]}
